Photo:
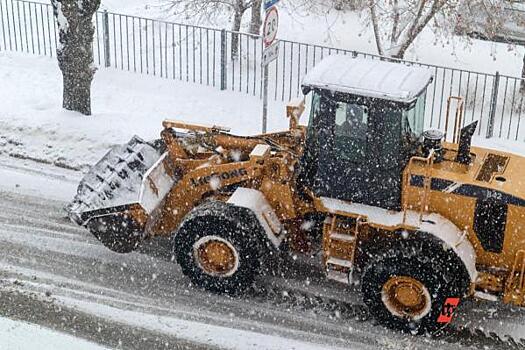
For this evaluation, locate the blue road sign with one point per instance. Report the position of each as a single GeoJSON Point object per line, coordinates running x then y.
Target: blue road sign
{"type": "Point", "coordinates": [269, 3]}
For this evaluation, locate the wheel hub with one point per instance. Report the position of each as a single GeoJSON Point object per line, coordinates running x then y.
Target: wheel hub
{"type": "Point", "coordinates": [216, 256]}
{"type": "Point", "coordinates": [406, 297]}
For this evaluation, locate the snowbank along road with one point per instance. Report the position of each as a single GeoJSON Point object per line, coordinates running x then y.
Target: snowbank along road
{"type": "Point", "coordinates": [56, 274]}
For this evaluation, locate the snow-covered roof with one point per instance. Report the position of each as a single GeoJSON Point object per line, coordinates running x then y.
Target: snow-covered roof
{"type": "Point", "coordinates": [369, 77]}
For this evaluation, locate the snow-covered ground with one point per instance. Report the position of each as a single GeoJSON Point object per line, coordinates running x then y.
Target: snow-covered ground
{"type": "Point", "coordinates": [187, 53]}
{"type": "Point", "coordinates": [17, 335]}
{"type": "Point", "coordinates": [33, 124]}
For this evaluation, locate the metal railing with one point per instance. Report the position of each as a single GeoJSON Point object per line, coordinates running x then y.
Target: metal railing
{"type": "Point", "coordinates": [205, 56]}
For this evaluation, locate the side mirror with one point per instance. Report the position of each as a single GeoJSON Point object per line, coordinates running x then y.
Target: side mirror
{"type": "Point", "coordinates": [465, 142]}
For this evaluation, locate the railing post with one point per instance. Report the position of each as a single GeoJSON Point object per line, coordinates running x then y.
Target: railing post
{"type": "Point", "coordinates": [265, 100]}
{"type": "Point", "coordinates": [224, 60]}
{"type": "Point", "coordinates": [105, 34]}
{"type": "Point", "coordinates": [2, 24]}
{"type": "Point", "coordinates": [493, 104]}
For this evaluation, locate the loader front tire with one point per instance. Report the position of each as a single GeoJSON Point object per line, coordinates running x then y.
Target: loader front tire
{"type": "Point", "coordinates": [216, 254]}
{"type": "Point", "coordinates": [407, 285]}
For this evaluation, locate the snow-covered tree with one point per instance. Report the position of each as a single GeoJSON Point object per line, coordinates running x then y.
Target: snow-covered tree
{"type": "Point", "coordinates": [74, 52]}
{"type": "Point", "coordinates": [239, 8]}
{"type": "Point", "coordinates": [256, 19]}
{"type": "Point", "coordinates": [397, 23]}
{"type": "Point", "coordinates": [212, 9]}
{"type": "Point", "coordinates": [494, 20]}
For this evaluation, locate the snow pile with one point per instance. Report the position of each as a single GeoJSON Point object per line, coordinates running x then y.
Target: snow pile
{"type": "Point", "coordinates": [34, 126]}
{"type": "Point", "coordinates": [17, 335]}
{"type": "Point", "coordinates": [41, 180]}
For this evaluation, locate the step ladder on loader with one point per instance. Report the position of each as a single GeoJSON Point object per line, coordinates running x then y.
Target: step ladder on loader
{"type": "Point", "coordinates": [340, 237]}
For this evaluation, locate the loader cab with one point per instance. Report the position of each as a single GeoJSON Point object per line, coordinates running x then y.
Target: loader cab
{"type": "Point", "coordinates": [366, 121]}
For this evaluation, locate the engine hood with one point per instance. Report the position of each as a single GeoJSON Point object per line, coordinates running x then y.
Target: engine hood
{"type": "Point", "coordinates": [492, 174]}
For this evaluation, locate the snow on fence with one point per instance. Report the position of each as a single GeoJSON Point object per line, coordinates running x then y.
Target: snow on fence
{"type": "Point", "coordinates": [205, 56]}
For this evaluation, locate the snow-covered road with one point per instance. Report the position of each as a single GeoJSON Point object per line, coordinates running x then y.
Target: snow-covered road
{"type": "Point", "coordinates": [57, 275]}
{"type": "Point", "coordinates": [13, 335]}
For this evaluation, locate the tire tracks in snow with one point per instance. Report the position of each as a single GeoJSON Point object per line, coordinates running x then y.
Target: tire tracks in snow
{"type": "Point", "coordinates": [45, 253]}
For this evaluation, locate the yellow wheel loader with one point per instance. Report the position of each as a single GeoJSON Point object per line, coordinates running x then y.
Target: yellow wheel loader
{"type": "Point", "coordinates": [422, 219]}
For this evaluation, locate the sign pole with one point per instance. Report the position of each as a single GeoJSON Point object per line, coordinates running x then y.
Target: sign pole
{"type": "Point", "coordinates": [265, 99]}
{"type": "Point", "coordinates": [270, 52]}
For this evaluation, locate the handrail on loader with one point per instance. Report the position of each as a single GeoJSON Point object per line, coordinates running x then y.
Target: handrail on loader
{"type": "Point", "coordinates": [458, 120]}
{"type": "Point", "coordinates": [429, 161]}
{"type": "Point", "coordinates": [168, 124]}
{"type": "Point", "coordinates": [427, 183]}
{"type": "Point", "coordinates": [515, 287]}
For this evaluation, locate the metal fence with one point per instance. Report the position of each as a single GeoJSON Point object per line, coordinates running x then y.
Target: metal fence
{"type": "Point", "coordinates": [232, 61]}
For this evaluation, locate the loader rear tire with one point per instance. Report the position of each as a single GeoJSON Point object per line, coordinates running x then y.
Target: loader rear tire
{"type": "Point", "coordinates": [216, 254]}
{"type": "Point", "coordinates": [406, 285]}
{"type": "Point", "coordinates": [117, 233]}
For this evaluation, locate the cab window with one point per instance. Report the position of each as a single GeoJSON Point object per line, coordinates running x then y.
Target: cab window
{"type": "Point", "coordinates": [351, 127]}
{"type": "Point", "coordinates": [414, 118]}
{"type": "Point", "coordinates": [314, 108]}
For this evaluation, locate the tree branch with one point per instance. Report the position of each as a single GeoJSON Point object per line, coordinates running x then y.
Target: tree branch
{"type": "Point", "coordinates": [375, 25]}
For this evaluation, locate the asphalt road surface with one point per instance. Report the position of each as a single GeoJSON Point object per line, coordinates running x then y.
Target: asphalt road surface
{"type": "Point", "coordinates": [55, 274]}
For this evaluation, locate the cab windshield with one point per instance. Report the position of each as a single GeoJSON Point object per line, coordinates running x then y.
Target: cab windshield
{"type": "Point", "coordinates": [359, 129]}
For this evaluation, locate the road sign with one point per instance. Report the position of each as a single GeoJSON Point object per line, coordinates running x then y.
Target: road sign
{"type": "Point", "coordinates": [269, 3]}
{"type": "Point", "coordinates": [271, 53]}
{"type": "Point", "coordinates": [271, 24]}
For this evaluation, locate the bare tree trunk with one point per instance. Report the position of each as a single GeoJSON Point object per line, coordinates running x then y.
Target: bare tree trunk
{"type": "Point", "coordinates": [74, 52]}
{"type": "Point", "coordinates": [256, 21]}
{"type": "Point", "coordinates": [405, 22]}
{"type": "Point", "coordinates": [239, 10]}
{"type": "Point", "coordinates": [395, 23]}
{"type": "Point", "coordinates": [375, 25]}
{"type": "Point", "coordinates": [77, 91]}
{"type": "Point", "coordinates": [419, 23]}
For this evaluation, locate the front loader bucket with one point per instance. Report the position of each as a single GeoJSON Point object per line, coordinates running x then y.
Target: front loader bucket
{"type": "Point", "coordinates": [117, 195]}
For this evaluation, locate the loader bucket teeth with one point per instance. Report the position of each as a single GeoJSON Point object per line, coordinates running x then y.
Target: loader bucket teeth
{"type": "Point", "coordinates": [115, 181]}
{"type": "Point", "coordinates": [123, 174]}
{"type": "Point", "coordinates": [133, 166]}
{"type": "Point", "coordinates": [137, 166]}
{"type": "Point", "coordinates": [108, 194]}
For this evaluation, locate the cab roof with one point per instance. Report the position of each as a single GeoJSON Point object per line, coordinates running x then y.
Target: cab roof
{"type": "Point", "coordinates": [369, 77]}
